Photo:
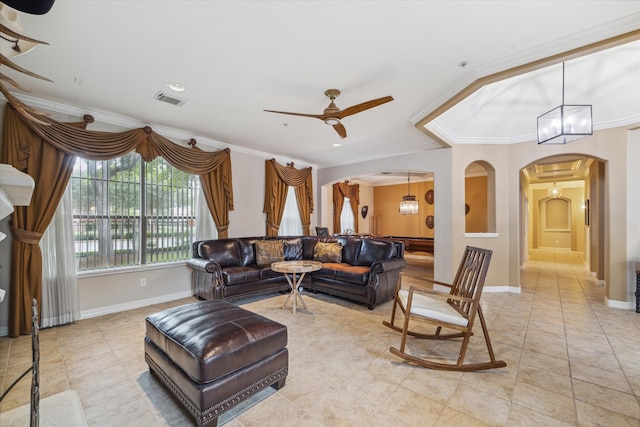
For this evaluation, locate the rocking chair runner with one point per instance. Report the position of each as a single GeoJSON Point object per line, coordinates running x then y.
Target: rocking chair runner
{"type": "Point", "coordinates": [455, 310]}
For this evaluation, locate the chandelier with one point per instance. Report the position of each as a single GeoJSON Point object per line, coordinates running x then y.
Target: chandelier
{"type": "Point", "coordinates": [555, 191]}
{"type": "Point", "coordinates": [409, 204]}
{"type": "Point", "coordinates": [565, 123]}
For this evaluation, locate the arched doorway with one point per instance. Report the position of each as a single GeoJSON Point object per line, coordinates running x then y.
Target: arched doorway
{"type": "Point", "coordinates": [562, 207]}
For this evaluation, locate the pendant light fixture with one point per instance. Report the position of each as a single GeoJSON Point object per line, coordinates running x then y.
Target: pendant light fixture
{"type": "Point", "coordinates": [565, 123]}
{"type": "Point", "coordinates": [555, 191]}
{"type": "Point", "coordinates": [409, 204]}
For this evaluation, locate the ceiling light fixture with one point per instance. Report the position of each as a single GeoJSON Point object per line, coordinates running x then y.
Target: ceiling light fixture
{"type": "Point", "coordinates": [565, 123]}
{"type": "Point", "coordinates": [555, 191]}
{"type": "Point", "coordinates": [409, 204]}
{"type": "Point", "coordinates": [332, 121]}
{"type": "Point", "coordinates": [176, 87]}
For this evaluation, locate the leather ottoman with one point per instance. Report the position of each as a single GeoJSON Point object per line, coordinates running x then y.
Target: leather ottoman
{"type": "Point", "coordinates": [213, 355]}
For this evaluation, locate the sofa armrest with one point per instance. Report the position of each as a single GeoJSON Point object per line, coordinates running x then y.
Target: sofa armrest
{"type": "Point", "coordinates": [206, 279]}
{"type": "Point", "coordinates": [204, 265]}
{"type": "Point", "coordinates": [388, 265]}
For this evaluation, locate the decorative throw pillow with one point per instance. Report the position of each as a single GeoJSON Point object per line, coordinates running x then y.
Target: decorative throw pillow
{"type": "Point", "coordinates": [269, 251]}
{"type": "Point", "coordinates": [327, 252]}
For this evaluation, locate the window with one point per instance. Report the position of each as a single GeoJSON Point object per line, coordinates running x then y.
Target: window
{"type": "Point", "coordinates": [127, 212]}
{"type": "Point", "coordinates": [347, 223]}
{"type": "Point", "coordinates": [291, 224]}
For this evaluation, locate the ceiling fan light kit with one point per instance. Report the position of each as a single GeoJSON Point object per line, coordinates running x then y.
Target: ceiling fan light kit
{"type": "Point", "coordinates": [333, 115]}
{"type": "Point", "coordinates": [566, 123]}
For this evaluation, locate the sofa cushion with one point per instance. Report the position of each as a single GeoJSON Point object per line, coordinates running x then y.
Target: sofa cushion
{"type": "Point", "coordinates": [269, 251]}
{"type": "Point", "coordinates": [293, 249]}
{"type": "Point", "coordinates": [235, 275]}
{"type": "Point", "coordinates": [224, 251]}
{"type": "Point", "coordinates": [375, 250]}
{"type": "Point", "coordinates": [350, 249]}
{"type": "Point", "coordinates": [247, 251]}
{"type": "Point", "coordinates": [328, 271]}
{"type": "Point", "coordinates": [328, 252]}
{"type": "Point", "coordinates": [352, 274]}
{"type": "Point", "coordinates": [267, 273]}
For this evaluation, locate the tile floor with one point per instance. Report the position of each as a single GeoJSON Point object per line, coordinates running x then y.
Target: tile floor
{"type": "Point", "coordinates": [570, 361]}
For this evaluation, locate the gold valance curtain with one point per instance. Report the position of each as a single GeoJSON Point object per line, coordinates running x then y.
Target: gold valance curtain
{"type": "Point", "coordinates": [340, 191]}
{"type": "Point", "coordinates": [278, 179]}
{"type": "Point", "coordinates": [45, 149]}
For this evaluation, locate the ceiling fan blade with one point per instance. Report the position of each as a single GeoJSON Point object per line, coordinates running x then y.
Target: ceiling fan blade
{"type": "Point", "coordinates": [341, 130]}
{"type": "Point", "coordinates": [364, 106]}
{"type": "Point", "coordinates": [315, 116]}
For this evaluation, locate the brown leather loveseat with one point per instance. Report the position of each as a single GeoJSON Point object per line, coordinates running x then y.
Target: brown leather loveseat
{"type": "Point", "coordinates": [366, 270]}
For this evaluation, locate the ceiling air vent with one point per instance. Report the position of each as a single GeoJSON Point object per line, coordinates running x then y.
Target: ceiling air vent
{"type": "Point", "coordinates": [161, 96]}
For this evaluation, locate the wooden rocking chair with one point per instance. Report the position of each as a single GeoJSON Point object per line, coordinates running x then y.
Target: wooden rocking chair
{"type": "Point", "coordinates": [455, 310]}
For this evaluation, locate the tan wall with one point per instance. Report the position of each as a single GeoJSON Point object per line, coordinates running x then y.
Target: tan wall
{"type": "Point", "coordinates": [573, 237]}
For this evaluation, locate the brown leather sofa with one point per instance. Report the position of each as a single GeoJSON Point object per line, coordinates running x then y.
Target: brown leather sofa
{"type": "Point", "coordinates": [226, 269]}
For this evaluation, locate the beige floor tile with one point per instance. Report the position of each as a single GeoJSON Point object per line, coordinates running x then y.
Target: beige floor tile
{"type": "Point", "coordinates": [412, 408]}
{"type": "Point", "coordinates": [521, 416]}
{"type": "Point", "coordinates": [602, 377]}
{"type": "Point", "coordinates": [276, 410]}
{"type": "Point", "coordinates": [558, 365]}
{"type": "Point", "coordinates": [479, 404]}
{"type": "Point", "coordinates": [298, 391]}
{"type": "Point", "coordinates": [589, 415]}
{"type": "Point", "coordinates": [134, 413]}
{"type": "Point", "coordinates": [451, 417]}
{"type": "Point", "coordinates": [613, 400]}
{"type": "Point", "coordinates": [549, 403]}
{"type": "Point", "coordinates": [351, 410]}
{"type": "Point", "coordinates": [547, 380]}
{"type": "Point", "coordinates": [435, 385]}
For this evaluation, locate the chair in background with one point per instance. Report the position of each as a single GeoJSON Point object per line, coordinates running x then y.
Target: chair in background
{"type": "Point", "coordinates": [322, 231]}
{"type": "Point", "coordinates": [455, 311]}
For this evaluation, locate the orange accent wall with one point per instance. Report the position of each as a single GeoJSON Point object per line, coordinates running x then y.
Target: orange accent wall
{"type": "Point", "coordinates": [387, 220]}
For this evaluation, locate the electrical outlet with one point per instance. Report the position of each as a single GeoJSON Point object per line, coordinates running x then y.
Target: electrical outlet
{"type": "Point", "coordinates": [143, 282]}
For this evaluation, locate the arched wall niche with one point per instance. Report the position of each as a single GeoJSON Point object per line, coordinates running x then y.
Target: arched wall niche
{"type": "Point", "coordinates": [479, 197]}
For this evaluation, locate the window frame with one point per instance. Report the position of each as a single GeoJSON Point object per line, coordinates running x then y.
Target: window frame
{"type": "Point", "coordinates": [182, 191]}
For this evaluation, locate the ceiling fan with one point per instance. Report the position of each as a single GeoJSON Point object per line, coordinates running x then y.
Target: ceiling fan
{"type": "Point", "coordinates": [332, 114]}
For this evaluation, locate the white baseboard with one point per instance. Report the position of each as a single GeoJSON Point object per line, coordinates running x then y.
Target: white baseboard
{"type": "Point", "coordinates": [492, 289]}
{"type": "Point", "coordinates": [625, 305]}
{"type": "Point", "coordinates": [101, 311]}
{"type": "Point", "coordinates": [4, 331]}
{"type": "Point", "coordinates": [495, 289]}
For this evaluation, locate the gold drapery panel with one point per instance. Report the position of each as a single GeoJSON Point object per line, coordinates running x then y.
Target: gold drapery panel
{"type": "Point", "coordinates": [45, 149]}
{"type": "Point", "coordinates": [50, 169]}
{"type": "Point", "coordinates": [340, 191]}
{"type": "Point", "coordinates": [278, 178]}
